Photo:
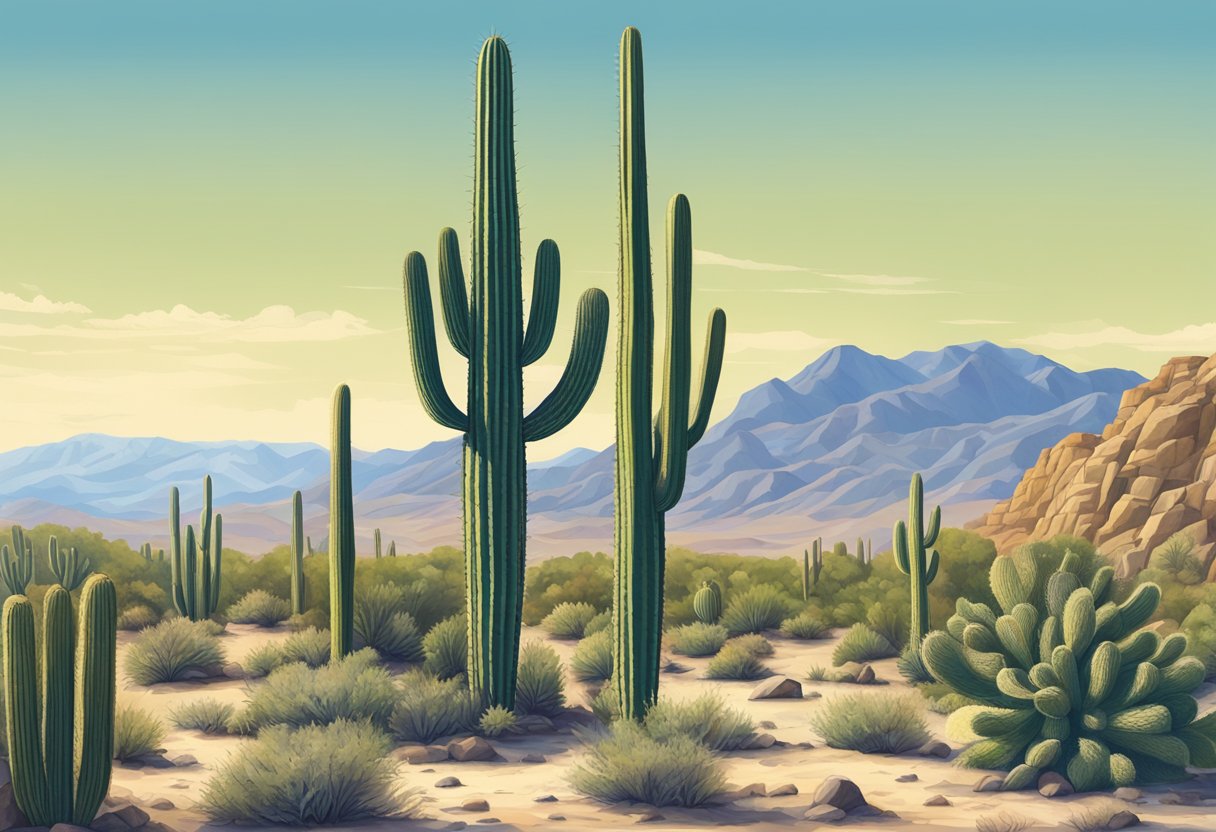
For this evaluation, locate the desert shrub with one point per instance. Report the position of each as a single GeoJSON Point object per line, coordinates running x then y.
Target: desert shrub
{"type": "Point", "coordinates": [261, 660]}
{"type": "Point", "coordinates": [1200, 629]}
{"type": "Point", "coordinates": [207, 715]}
{"type": "Point", "coordinates": [889, 622]}
{"type": "Point", "coordinates": [592, 659]}
{"type": "Point", "coordinates": [696, 639]}
{"type": "Point", "coordinates": [261, 608]}
{"type": "Point", "coordinates": [540, 683]}
{"type": "Point", "coordinates": [1135, 725]}
{"type": "Point", "coordinates": [1095, 817]}
{"type": "Point", "coordinates": [1176, 557]}
{"type": "Point", "coordinates": [496, 721]}
{"type": "Point", "coordinates": [753, 643]}
{"type": "Point", "coordinates": [447, 647]}
{"type": "Point", "coordinates": [626, 764]}
{"type": "Point", "coordinates": [601, 621]}
{"type": "Point", "coordinates": [759, 608]}
{"type": "Point", "coordinates": [569, 620]}
{"type": "Point", "coordinates": [170, 651]}
{"type": "Point", "coordinates": [137, 733]}
{"type": "Point", "coordinates": [382, 623]}
{"type": "Point", "coordinates": [861, 644]}
{"type": "Point", "coordinates": [805, 626]}
{"type": "Point", "coordinates": [355, 688]}
{"type": "Point", "coordinates": [737, 663]}
{"type": "Point", "coordinates": [942, 699]}
{"type": "Point", "coordinates": [317, 775]}
{"type": "Point", "coordinates": [605, 705]}
{"type": "Point", "coordinates": [912, 667]}
{"type": "Point", "coordinates": [138, 617]}
{"type": "Point", "coordinates": [706, 720]}
{"type": "Point", "coordinates": [871, 723]}
{"type": "Point", "coordinates": [310, 646]}
{"type": "Point", "coordinates": [585, 577]}
{"type": "Point", "coordinates": [428, 708]}
{"type": "Point", "coordinates": [1002, 822]}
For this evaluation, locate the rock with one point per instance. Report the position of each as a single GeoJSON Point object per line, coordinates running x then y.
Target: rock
{"type": "Point", "coordinates": [1128, 793]}
{"type": "Point", "coordinates": [488, 820]}
{"type": "Point", "coordinates": [812, 694]}
{"type": "Point", "coordinates": [767, 724]}
{"type": "Point", "coordinates": [234, 671]}
{"type": "Point", "coordinates": [162, 803]}
{"type": "Point", "coordinates": [839, 792]}
{"type": "Point", "coordinates": [650, 816]}
{"type": "Point", "coordinates": [193, 674]}
{"type": "Point", "coordinates": [475, 804]}
{"type": "Point", "coordinates": [533, 758]}
{"type": "Point", "coordinates": [1122, 820]}
{"type": "Point", "coordinates": [783, 790]}
{"type": "Point", "coordinates": [471, 749]}
{"type": "Point", "coordinates": [544, 798]}
{"type": "Point", "coordinates": [1052, 784]}
{"type": "Point", "coordinates": [670, 666]}
{"type": "Point", "coordinates": [69, 827]}
{"type": "Point", "coordinates": [934, 748]}
{"type": "Point", "coordinates": [906, 778]}
{"type": "Point", "coordinates": [938, 800]}
{"type": "Point", "coordinates": [556, 816]}
{"type": "Point", "coordinates": [10, 815]}
{"type": "Point", "coordinates": [535, 724]}
{"type": "Point", "coordinates": [448, 783]}
{"type": "Point", "coordinates": [866, 675]}
{"type": "Point", "coordinates": [989, 783]}
{"type": "Point", "coordinates": [756, 741]}
{"type": "Point", "coordinates": [112, 822]}
{"type": "Point", "coordinates": [421, 755]}
{"type": "Point", "coordinates": [184, 760]}
{"type": "Point", "coordinates": [823, 814]}
{"type": "Point", "coordinates": [777, 687]}
{"type": "Point", "coordinates": [454, 826]}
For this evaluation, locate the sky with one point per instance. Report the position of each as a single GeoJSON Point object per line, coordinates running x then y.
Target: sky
{"type": "Point", "coordinates": [205, 206]}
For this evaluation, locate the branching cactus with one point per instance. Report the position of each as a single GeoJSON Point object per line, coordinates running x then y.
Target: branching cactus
{"type": "Point", "coordinates": [195, 570]}
{"type": "Point", "coordinates": [17, 563]}
{"type": "Point", "coordinates": [651, 451]}
{"type": "Point", "coordinates": [915, 555]}
{"type": "Point", "coordinates": [297, 554]}
{"type": "Point", "coordinates": [1071, 682]}
{"type": "Point", "coordinates": [812, 565]}
{"type": "Point", "coordinates": [488, 330]}
{"type": "Point", "coordinates": [341, 531]}
{"type": "Point", "coordinates": [61, 727]}
{"type": "Point", "coordinates": [69, 570]}
{"type": "Point", "coordinates": [707, 603]}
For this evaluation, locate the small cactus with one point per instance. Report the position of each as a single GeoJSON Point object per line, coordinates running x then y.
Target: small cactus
{"type": "Point", "coordinates": [707, 603]}
{"type": "Point", "coordinates": [376, 537]}
{"type": "Point", "coordinates": [69, 570]}
{"type": "Point", "coordinates": [196, 568]}
{"type": "Point", "coordinates": [297, 554]}
{"type": "Point", "coordinates": [17, 564]}
{"type": "Point", "coordinates": [812, 565]}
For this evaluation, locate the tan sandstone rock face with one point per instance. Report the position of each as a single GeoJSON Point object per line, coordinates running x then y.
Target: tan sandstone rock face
{"type": "Point", "coordinates": [1151, 474]}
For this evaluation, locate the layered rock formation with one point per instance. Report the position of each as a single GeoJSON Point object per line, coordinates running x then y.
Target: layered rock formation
{"type": "Point", "coordinates": [1151, 474]}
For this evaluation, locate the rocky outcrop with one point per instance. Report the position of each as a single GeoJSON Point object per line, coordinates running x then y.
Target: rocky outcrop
{"type": "Point", "coordinates": [1149, 475]}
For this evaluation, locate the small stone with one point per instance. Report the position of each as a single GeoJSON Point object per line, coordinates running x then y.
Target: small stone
{"type": "Point", "coordinates": [650, 816]}
{"type": "Point", "coordinates": [535, 724]}
{"type": "Point", "coordinates": [824, 814]}
{"type": "Point", "coordinates": [757, 741]}
{"type": "Point", "coordinates": [184, 760]}
{"type": "Point", "coordinates": [180, 784]}
{"type": "Point", "coordinates": [162, 803]}
{"type": "Point", "coordinates": [448, 783]}
{"type": "Point", "coordinates": [545, 798]}
{"type": "Point", "coordinates": [234, 671]}
{"type": "Point", "coordinates": [784, 790]}
{"type": "Point", "coordinates": [845, 673]}
{"type": "Point", "coordinates": [471, 749]}
{"type": "Point", "coordinates": [839, 792]}
{"type": "Point", "coordinates": [778, 687]}
{"type": "Point", "coordinates": [488, 820]}
{"type": "Point", "coordinates": [421, 755]}
{"type": "Point", "coordinates": [476, 804]}
{"type": "Point", "coordinates": [934, 748]}
{"type": "Point", "coordinates": [556, 816]}
{"type": "Point", "coordinates": [768, 725]}
{"type": "Point", "coordinates": [938, 800]}
{"type": "Point", "coordinates": [1128, 793]}
{"type": "Point", "coordinates": [455, 826]}
{"type": "Point", "coordinates": [813, 694]}
{"type": "Point", "coordinates": [110, 822]}
{"type": "Point", "coordinates": [804, 744]}
{"type": "Point", "coordinates": [1053, 784]}
{"type": "Point", "coordinates": [989, 783]}
{"type": "Point", "coordinates": [1122, 820]}
{"type": "Point", "coordinates": [866, 675]}
{"type": "Point", "coordinates": [533, 758]}
{"type": "Point", "coordinates": [906, 778]}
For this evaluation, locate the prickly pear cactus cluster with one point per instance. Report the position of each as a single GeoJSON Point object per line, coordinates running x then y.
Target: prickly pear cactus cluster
{"type": "Point", "coordinates": [1071, 681]}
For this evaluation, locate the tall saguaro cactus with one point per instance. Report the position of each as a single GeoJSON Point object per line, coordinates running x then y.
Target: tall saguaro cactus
{"type": "Point", "coordinates": [915, 556]}
{"type": "Point", "coordinates": [812, 565]}
{"type": "Point", "coordinates": [61, 730]}
{"type": "Point", "coordinates": [341, 531]}
{"type": "Point", "coordinates": [196, 568]}
{"type": "Point", "coordinates": [651, 453]}
{"type": "Point", "coordinates": [488, 330]}
{"type": "Point", "coordinates": [297, 554]}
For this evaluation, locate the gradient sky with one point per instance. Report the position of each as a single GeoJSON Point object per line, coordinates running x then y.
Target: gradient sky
{"type": "Point", "coordinates": [205, 205]}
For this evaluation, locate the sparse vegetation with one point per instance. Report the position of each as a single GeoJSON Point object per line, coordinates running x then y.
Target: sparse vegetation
{"type": "Point", "coordinates": [753, 643]}
{"type": "Point", "coordinates": [871, 723]}
{"type": "Point", "coordinates": [601, 621]}
{"type": "Point", "coordinates": [261, 608]}
{"type": "Point", "coordinates": [210, 716]}
{"type": "Point", "coordinates": [382, 623]}
{"type": "Point", "coordinates": [540, 683]}
{"type": "Point", "coordinates": [137, 733]}
{"type": "Point", "coordinates": [171, 651]}
{"type": "Point", "coordinates": [592, 659]}
{"type": "Point", "coordinates": [706, 720]}
{"type": "Point", "coordinates": [805, 627]}
{"type": "Point", "coordinates": [1002, 822]}
{"type": "Point", "coordinates": [736, 663]}
{"type": "Point", "coordinates": [759, 608]}
{"type": "Point", "coordinates": [138, 617]}
{"type": "Point", "coordinates": [447, 648]}
{"type": "Point", "coordinates": [427, 708]}
{"type": "Point", "coordinates": [862, 644]}
{"type": "Point", "coordinates": [912, 667]}
{"type": "Point", "coordinates": [696, 639]}
{"type": "Point", "coordinates": [569, 620]}
{"type": "Point", "coordinates": [1094, 817]}
{"type": "Point", "coordinates": [496, 721]}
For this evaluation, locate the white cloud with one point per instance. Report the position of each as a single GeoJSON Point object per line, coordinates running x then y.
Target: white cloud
{"type": "Point", "coordinates": [892, 290]}
{"type": "Point", "coordinates": [877, 279]}
{"type": "Point", "coordinates": [1192, 338]}
{"type": "Point", "coordinates": [777, 341]}
{"type": "Point", "coordinates": [976, 322]}
{"type": "Point", "coordinates": [712, 258]}
{"type": "Point", "coordinates": [40, 305]}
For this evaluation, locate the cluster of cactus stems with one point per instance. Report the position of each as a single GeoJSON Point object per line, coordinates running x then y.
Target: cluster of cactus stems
{"type": "Point", "coordinates": [1071, 681]}
{"type": "Point", "coordinates": [707, 602]}
{"type": "Point", "coordinates": [915, 555]}
{"type": "Point", "coordinates": [66, 565]}
{"type": "Point", "coordinates": [812, 565]}
{"type": "Point", "coordinates": [651, 452]}
{"type": "Point", "coordinates": [487, 329]}
{"type": "Point", "coordinates": [17, 563]}
{"type": "Point", "coordinates": [196, 566]}
{"type": "Point", "coordinates": [392, 548]}
{"type": "Point", "coordinates": [376, 539]}
{"type": "Point", "coordinates": [341, 531]}
{"type": "Point", "coordinates": [863, 553]}
{"type": "Point", "coordinates": [60, 727]}
{"type": "Point", "coordinates": [297, 554]}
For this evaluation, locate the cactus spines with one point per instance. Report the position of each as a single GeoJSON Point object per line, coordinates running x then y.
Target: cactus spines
{"type": "Point", "coordinates": [69, 570]}
{"type": "Point", "coordinates": [60, 746]}
{"type": "Point", "coordinates": [17, 564]}
{"type": "Point", "coordinates": [341, 530]}
{"type": "Point", "coordinates": [707, 602]}
{"type": "Point", "coordinates": [485, 325]}
{"type": "Point", "coordinates": [297, 554]}
{"type": "Point", "coordinates": [652, 453]}
{"type": "Point", "coordinates": [812, 565]}
{"type": "Point", "coordinates": [376, 538]}
{"type": "Point", "coordinates": [196, 568]}
{"type": "Point", "coordinates": [915, 555]}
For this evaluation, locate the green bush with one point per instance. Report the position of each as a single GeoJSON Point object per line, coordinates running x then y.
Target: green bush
{"type": "Point", "coordinates": [261, 608]}
{"type": "Point", "coordinates": [592, 659]}
{"type": "Point", "coordinates": [706, 720]}
{"type": "Point", "coordinates": [138, 617]}
{"type": "Point", "coordinates": [696, 639]}
{"type": "Point", "coordinates": [585, 577]}
{"type": "Point", "coordinates": [759, 608]}
{"type": "Point", "coordinates": [861, 644]}
{"type": "Point", "coordinates": [136, 733]}
{"type": "Point", "coordinates": [310, 646]}
{"type": "Point", "coordinates": [496, 721]}
{"type": "Point", "coordinates": [261, 660]}
{"type": "Point", "coordinates": [1176, 557]}
{"type": "Point", "coordinates": [626, 764]}
{"type": "Point", "coordinates": [447, 647]}
{"type": "Point", "coordinates": [805, 626]}
{"type": "Point", "coordinates": [317, 775]}
{"type": "Point", "coordinates": [382, 623]}
{"type": "Point", "coordinates": [355, 688]}
{"type": "Point", "coordinates": [540, 684]}
{"type": "Point", "coordinates": [871, 723]}
{"type": "Point", "coordinates": [171, 651]}
{"type": "Point", "coordinates": [569, 620]}
{"type": "Point", "coordinates": [601, 621]}
{"type": "Point", "coordinates": [428, 708]}
{"type": "Point", "coordinates": [736, 663]}
{"type": "Point", "coordinates": [753, 643]}
{"type": "Point", "coordinates": [207, 715]}
{"type": "Point", "coordinates": [890, 623]}
{"type": "Point", "coordinates": [1200, 629]}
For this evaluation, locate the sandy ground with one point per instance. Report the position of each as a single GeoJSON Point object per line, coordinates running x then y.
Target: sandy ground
{"type": "Point", "coordinates": [511, 787]}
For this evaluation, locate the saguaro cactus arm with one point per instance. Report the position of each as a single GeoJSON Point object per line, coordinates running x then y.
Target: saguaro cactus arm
{"type": "Point", "coordinates": [711, 372]}
{"type": "Point", "coordinates": [424, 356]}
{"type": "Point", "coordinates": [542, 315]}
{"type": "Point", "coordinates": [453, 293]}
{"type": "Point", "coordinates": [578, 380]}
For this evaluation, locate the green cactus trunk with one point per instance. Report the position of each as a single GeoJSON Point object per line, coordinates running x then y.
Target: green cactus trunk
{"type": "Point", "coordinates": [915, 556]}
{"type": "Point", "coordinates": [392, 548]}
{"type": "Point", "coordinates": [707, 603]}
{"type": "Point", "coordinates": [488, 330]}
{"type": "Point", "coordinates": [297, 554]}
{"type": "Point", "coordinates": [195, 569]}
{"type": "Point", "coordinates": [17, 564]}
{"type": "Point", "coordinates": [376, 539]}
{"type": "Point", "coordinates": [651, 458]}
{"type": "Point", "coordinates": [341, 531]}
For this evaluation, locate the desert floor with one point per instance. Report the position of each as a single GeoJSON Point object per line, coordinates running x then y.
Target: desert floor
{"type": "Point", "coordinates": [511, 787]}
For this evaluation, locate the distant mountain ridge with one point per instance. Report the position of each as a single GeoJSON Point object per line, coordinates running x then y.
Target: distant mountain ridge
{"type": "Point", "coordinates": [829, 450]}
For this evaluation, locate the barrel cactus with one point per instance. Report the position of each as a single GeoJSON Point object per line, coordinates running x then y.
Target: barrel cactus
{"type": "Point", "coordinates": [1070, 681]}
{"type": "Point", "coordinates": [707, 603]}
